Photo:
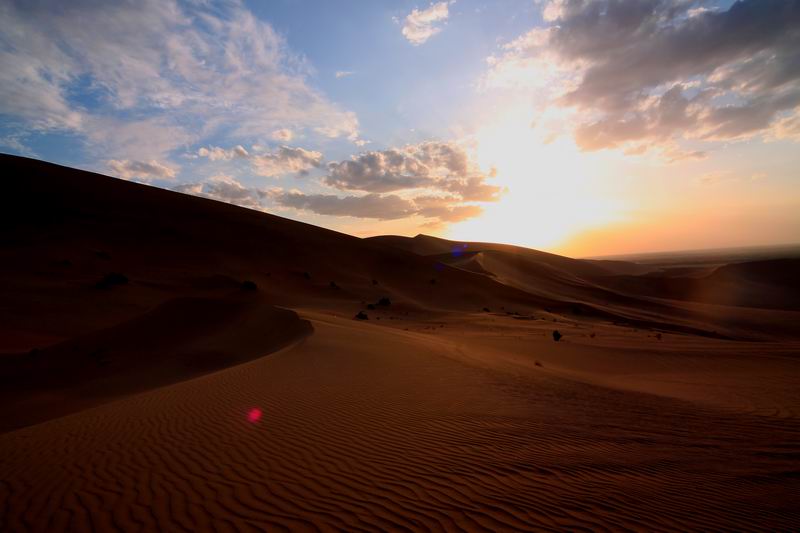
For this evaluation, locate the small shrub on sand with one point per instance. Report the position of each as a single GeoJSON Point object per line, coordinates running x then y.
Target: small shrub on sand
{"type": "Point", "coordinates": [361, 316]}
{"type": "Point", "coordinates": [334, 286]}
{"type": "Point", "coordinates": [487, 310]}
{"type": "Point", "coordinates": [249, 286]}
{"type": "Point", "coordinates": [371, 307]}
{"type": "Point", "coordinates": [556, 335]}
{"type": "Point", "coordinates": [385, 302]}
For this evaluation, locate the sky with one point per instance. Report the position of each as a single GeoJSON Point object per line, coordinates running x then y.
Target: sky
{"type": "Point", "coordinates": [582, 127]}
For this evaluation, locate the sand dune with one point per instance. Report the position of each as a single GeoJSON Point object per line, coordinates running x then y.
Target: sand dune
{"type": "Point", "coordinates": [177, 340]}
{"type": "Point", "coordinates": [424, 433]}
{"type": "Point", "coordinates": [646, 300]}
{"type": "Point", "coordinates": [146, 386]}
{"type": "Point", "coordinates": [769, 284]}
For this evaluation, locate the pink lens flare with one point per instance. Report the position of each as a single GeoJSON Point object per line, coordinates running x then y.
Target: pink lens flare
{"type": "Point", "coordinates": [254, 415]}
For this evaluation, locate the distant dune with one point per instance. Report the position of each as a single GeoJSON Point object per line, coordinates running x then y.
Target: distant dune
{"type": "Point", "coordinates": [174, 363]}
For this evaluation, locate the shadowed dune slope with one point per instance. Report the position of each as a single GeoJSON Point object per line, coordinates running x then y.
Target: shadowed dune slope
{"type": "Point", "coordinates": [180, 339]}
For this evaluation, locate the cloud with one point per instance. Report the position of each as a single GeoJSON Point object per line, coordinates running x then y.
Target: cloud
{"type": "Point", "coordinates": [16, 145]}
{"type": "Point", "coordinates": [225, 189]}
{"type": "Point", "coordinates": [195, 69]}
{"type": "Point", "coordinates": [283, 160]}
{"type": "Point", "coordinates": [215, 153]}
{"type": "Point", "coordinates": [141, 170]}
{"type": "Point", "coordinates": [343, 73]}
{"type": "Point", "coordinates": [421, 25]}
{"type": "Point", "coordinates": [149, 138]}
{"type": "Point", "coordinates": [441, 166]}
{"type": "Point", "coordinates": [434, 180]}
{"type": "Point", "coordinates": [788, 127]}
{"type": "Point", "coordinates": [643, 73]}
{"type": "Point", "coordinates": [283, 134]}
{"type": "Point", "coordinates": [375, 206]}
{"type": "Point", "coordinates": [445, 209]}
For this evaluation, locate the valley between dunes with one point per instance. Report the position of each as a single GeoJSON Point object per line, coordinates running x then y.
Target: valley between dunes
{"type": "Point", "coordinates": [183, 399]}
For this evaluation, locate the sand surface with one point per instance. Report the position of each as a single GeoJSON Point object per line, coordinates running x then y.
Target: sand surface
{"type": "Point", "coordinates": [182, 400]}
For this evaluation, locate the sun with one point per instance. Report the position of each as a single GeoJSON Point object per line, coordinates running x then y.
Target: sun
{"type": "Point", "coordinates": [553, 191]}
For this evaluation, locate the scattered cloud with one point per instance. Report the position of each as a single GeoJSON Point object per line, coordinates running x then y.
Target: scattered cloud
{"type": "Point", "coordinates": [375, 206]}
{"type": "Point", "coordinates": [192, 69]}
{"type": "Point", "coordinates": [422, 24]}
{"type": "Point", "coordinates": [437, 210]}
{"type": "Point", "coordinates": [15, 144]}
{"type": "Point", "coordinates": [225, 189]}
{"type": "Point", "coordinates": [729, 176]}
{"type": "Point", "coordinates": [434, 180]}
{"type": "Point", "coordinates": [149, 138]}
{"type": "Point", "coordinates": [643, 74]}
{"type": "Point", "coordinates": [443, 166]}
{"type": "Point", "coordinates": [343, 73]}
{"type": "Point", "coordinates": [141, 170]}
{"type": "Point", "coordinates": [215, 153]}
{"type": "Point", "coordinates": [788, 127]}
{"type": "Point", "coordinates": [283, 135]}
{"type": "Point", "coordinates": [283, 160]}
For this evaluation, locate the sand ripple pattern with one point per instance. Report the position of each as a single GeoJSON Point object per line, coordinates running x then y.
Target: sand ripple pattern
{"type": "Point", "coordinates": [393, 433]}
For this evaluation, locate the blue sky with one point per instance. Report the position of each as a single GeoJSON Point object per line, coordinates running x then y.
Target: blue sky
{"type": "Point", "coordinates": [581, 126]}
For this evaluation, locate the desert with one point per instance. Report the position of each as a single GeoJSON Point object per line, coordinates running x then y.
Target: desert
{"type": "Point", "coordinates": [451, 406]}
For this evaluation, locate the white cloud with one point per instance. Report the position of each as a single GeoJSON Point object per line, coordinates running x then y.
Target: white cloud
{"type": "Point", "coordinates": [343, 73]}
{"type": "Point", "coordinates": [215, 153]}
{"type": "Point", "coordinates": [421, 25]}
{"type": "Point", "coordinates": [194, 69]}
{"type": "Point", "coordinates": [283, 160]}
{"type": "Point", "coordinates": [286, 160]}
{"type": "Point", "coordinates": [283, 135]}
{"type": "Point", "coordinates": [15, 144]}
{"type": "Point", "coordinates": [141, 170]}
